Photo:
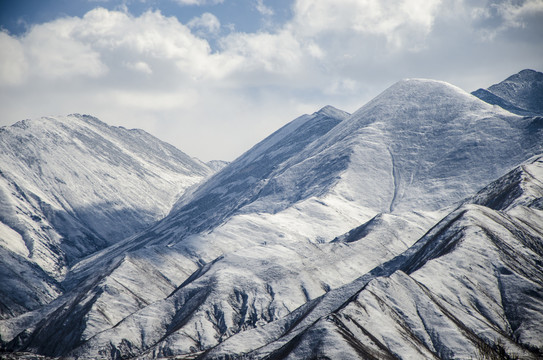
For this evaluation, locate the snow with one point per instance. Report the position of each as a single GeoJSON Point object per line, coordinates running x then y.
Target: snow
{"type": "Point", "coordinates": [471, 280]}
{"type": "Point", "coordinates": [339, 235]}
{"type": "Point", "coordinates": [13, 241]}
{"type": "Point", "coordinates": [71, 185]}
{"type": "Point", "coordinates": [521, 93]}
{"type": "Point", "coordinates": [217, 165]}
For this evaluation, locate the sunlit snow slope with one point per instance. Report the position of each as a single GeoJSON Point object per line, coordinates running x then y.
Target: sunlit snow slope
{"type": "Point", "coordinates": [472, 287]}
{"type": "Point", "coordinates": [70, 186]}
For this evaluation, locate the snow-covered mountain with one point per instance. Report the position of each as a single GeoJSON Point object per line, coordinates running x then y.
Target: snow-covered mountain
{"type": "Point", "coordinates": [472, 287]}
{"type": "Point", "coordinates": [217, 165]}
{"type": "Point", "coordinates": [521, 93]}
{"type": "Point", "coordinates": [262, 256]}
{"type": "Point", "coordinates": [70, 186]}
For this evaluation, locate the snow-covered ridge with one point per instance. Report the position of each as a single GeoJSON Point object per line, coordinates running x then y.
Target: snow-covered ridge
{"type": "Point", "coordinates": [247, 178]}
{"type": "Point", "coordinates": [418, 145]}
{"type": "Point", "coordinates": [72, 185]}
{"type": "Point", "coordinates": [459, 292]}
{"type": "Point", "coordinates": [521, 93]}
{"type": "Point", "coordinates": [273, 255]}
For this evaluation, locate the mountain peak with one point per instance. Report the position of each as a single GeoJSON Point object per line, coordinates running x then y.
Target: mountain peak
{"type": "Point", "coordinates": [421, 91]}
{"type": "Point", "coordinates": [72, 185]}
{"type": "Point", "coordinates": [411, 95]}
{"type": "Point", "coordinates": [521, 93]}
{"type": "Point", "coordinates": [331, 111]}
{"type": "Point", "coordinates": [526, 75]}
{"type": "Point", "coordinates": [426, 86]}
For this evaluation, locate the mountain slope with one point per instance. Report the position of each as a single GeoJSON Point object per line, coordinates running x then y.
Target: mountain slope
{"type": "Point", "coordinates": [417, 146]}
{"type": "Point", "coordinates": [281, 226]}
{"type": "Point", "coordinates": [472, 286]}
{"type": "Point", "coordinates": [70, 186]}
{"type": "Point", "coordinates": [136, 258]}
{"type": "Point", "coordinates": [521, 93]}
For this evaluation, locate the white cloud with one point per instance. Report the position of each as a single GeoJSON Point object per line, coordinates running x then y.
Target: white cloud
{"type": "Point", "coordinates": [315, 50]}
{"type": "Point", "coordinates": [104, 40]}
{"type": "Point", "coordinates": [263, 9]}
{"type": "Point", "coordinates": [494, 17]}
{"type": "Point", "coordinates": [150, 35]}
{"type": "Point", "coordinates": [153, 100]}
{"type": "Point", "coordinates": [13, 64]}
{"type": "Point", "coordinates": [140, 66]}
{"type": "Point", "coordinates": [274, 53]}
{"type": "Point", "coordinates": [198, 2]}
{"type": "Point", "coordinates": [55, 52]}
{"type": "Point", "coordinates": [154, 72]}
{"type": "Point", "coordinates": [341, 86]}
{"type": "Point", "coordinates": [398, 21]}
{"type": "Point", "coordinates": [207, 22]}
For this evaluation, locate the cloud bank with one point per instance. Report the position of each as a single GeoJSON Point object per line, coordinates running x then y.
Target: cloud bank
{"type": "Point", "coordinates": [214, 92]}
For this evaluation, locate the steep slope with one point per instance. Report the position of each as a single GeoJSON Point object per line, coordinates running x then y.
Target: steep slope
{"type": "Point", "coordinates": [109, 289]}
{"type": "Point", "coordinates": [471, 287]}
{"type": "Point", "coordinates": [440, 145]}
{"type": "Point", "coordinates": [281, 226]}
{"type": "Point", "coordinates": [521, 93]}
{"type": "Point", "coordinates": [244, 180]}
{"type": "Point", "coordinates": [70, 186]}
{"type": "Point", "coordinates": [415, 146]}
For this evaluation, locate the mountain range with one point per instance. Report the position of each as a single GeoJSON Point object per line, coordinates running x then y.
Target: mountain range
{"type": "Point", "coordinates": [70, 186]}
{"type": "Point", "coordinates": [412, 228]}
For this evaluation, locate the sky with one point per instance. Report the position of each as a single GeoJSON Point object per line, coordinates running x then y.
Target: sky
{"type": "Point", "coordinates": [214, 77]}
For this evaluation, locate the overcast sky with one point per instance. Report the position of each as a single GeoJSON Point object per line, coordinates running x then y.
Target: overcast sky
{"type": "Point", "coordinates": [213, 77]}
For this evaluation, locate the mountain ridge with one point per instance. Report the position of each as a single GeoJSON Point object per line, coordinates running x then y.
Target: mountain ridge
{"type": "Point", "coordinates": [521, 93]}
{"type": "Point", "coordinates": [272, 255]}
{"type": "Point", "coordinates": [262, 342]}
{"type": "Point", "coordinates": [73, 185]}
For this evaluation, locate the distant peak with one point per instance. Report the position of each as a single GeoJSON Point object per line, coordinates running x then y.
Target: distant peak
{"type": "Point", "coordinates": [217, 165]}
{"type": "Point", "coordinates": [525, 75]}
{"type": "Point", "coordinates": [521, 93]}
{"type": "Point", "coordinates": [528, 71]}
{"type": "Point", "coordinates": [328, 108]}
{"type": "Point", "coordinates": [331, 111]}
